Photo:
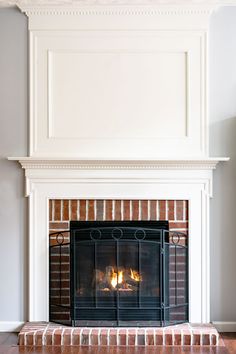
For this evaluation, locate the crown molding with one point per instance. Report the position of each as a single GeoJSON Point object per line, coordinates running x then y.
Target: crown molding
{"type": "Point", "coordinates": [7, 3]}
{"type": "Point", "coordinates": [107, 7]}
{"type": "Point", "coordinates": [118, 8]}
{"type": "Point", "coordinates": [78, 164]}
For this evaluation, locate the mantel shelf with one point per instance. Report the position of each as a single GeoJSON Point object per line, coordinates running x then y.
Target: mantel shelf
{"type": "Point", "coordinates": [7, 3]}
{"type": "Point", "coordinates": [115, 164]}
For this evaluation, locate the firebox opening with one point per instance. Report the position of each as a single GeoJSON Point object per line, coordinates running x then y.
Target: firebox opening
{"type": "Point", "coordinates": [131, 273]}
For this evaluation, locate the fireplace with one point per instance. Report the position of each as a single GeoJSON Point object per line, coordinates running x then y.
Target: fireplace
{"type": "Point", "coordinates": [119, 273]}
{"type": "Point", "coordinates": [139, 142]}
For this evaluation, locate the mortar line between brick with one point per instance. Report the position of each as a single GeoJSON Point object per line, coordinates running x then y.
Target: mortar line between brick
{"type": "Point", "coordinates": [175, 212]}
{"type": "Point", "coordinates": [53, 210]}
{"type": "Point", "coordinates": [80, 336]}
{"type": "Point", "coordinates": [69, 209]}
{"type": "Point", "coordinates": [43, 335]}
{"type": "Point", "coordinates": [113, 210]}
{"type": "Point", "coordinates": [86, 209]}
{"type": "Point", "coordinates": [62, 336]}
{"type": "Point", "coordinates": [157, 210]}
{"type": "Point", "coordinates": [78, 210]}
{"type": "Point", "coordinates": [164, 336]}
{"type": "Point", "coordinates": [128, 208]}
{"type": "Point", "coordinates": [139, 209]}
{"type": "Point", "coordinates": [154, 338]}
{"type": "Point", "coordinates": [104, 209]}
{"type": "Point", "coordinates": [90, 334]}
{"type": "Point", "coordinates": [34, 337]}
{"type": "Point", "coordinates": [118, 331]}
{"type": "Point", "coordinates": [182, 337]}
{"type": "Point", "coordinates": [217, 339]}
{"type": "Point", "coordinates": [184, 210]}
{"type": "Point", "coordinates": [61, 218]}
{"type": "Point", "coordinates": [95, 209]}
{"type": "Point", "coordinates": [71, 336]}
{"type": "Point", "coordinates": [99, 334]}
{"type": "Point", "coordinates": [53, 334]}
{"type": "Point", "coordinates": [201, 339]}
{"type": "Point", "coordinates": [166, 210]}
{"type": "Point", "coordinates": [122, 210]}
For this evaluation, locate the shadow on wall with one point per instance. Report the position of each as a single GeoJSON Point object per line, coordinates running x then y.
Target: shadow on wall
{"type": "Point", "coordinates": [223, 226]}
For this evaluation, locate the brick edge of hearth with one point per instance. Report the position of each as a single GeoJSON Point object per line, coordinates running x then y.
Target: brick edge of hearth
{"type": "Point", "coordinates": [43, 334]}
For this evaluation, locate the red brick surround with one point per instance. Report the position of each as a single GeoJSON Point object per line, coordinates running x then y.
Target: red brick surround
{"type": "Point", "coordinates": [62, 211]}
{"type": "Point", "coordinates": [53, 334]}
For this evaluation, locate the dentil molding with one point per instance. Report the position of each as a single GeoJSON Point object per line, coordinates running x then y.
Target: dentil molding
{"type": "Point", "coordinates": [153, 7]}
{"type": "Point", "coordinates": [78, 164]}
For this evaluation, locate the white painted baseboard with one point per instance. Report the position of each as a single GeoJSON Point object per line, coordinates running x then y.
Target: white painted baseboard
{"type": "Point", "coordinates": [225, 326]}
{"type": "Point", "coordinates": [10, 326]}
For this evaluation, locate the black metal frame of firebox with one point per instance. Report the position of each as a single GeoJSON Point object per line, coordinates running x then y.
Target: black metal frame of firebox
{"type": "Point", "coordinates": [166, 238]}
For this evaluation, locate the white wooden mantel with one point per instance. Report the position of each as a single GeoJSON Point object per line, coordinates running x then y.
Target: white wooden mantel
{"type": "Point", "coordinates": [6, 3]}
{"type": "Point", "coordinates": [173, 179]}
{"type": "Point", "coordinates": [87, 141]}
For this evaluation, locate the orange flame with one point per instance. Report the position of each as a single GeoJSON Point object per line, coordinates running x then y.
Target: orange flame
{"type": "Point", "coordinates": [135, 275]}
{"type": "Point", "coordinates": [117, 279]}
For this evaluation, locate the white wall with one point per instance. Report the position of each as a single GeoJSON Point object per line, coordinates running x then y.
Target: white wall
{"type": "Point", "coordinates": [223, 143]}
{"type": "Point", "coordinates": [13, 142]}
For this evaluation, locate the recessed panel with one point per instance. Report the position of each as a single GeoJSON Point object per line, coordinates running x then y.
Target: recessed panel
{"type": "Point", "coordinates": [107, 95]}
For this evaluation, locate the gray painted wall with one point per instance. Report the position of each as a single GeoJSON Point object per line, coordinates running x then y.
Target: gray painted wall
{"type": "Point", "coordinates": [222, 111]}
{"type": "Point", "coordinates": [13, 142]}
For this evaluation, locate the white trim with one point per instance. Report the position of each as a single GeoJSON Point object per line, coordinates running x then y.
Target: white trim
{"type": "Point", "coordinates": [54, 24]}
{"type": "Point", "coordinates": [85, 164]}
{"type": "Point", "coordinates": [225, 326]}
{"type": "Point", "coordinates": [11, 326]}
{"type": "Point", "coordinates": [8, 3]}
{"type": "Point", "coordinates": [192, 185]}
{"type": "Point", "coordinates": [117, 7]}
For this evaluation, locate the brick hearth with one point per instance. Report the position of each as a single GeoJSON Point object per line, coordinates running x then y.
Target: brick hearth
{"type": "Point", "coordinates": [42, 333]}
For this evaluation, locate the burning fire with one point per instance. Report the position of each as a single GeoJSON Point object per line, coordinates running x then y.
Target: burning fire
{"type": "Point", "coordinates": [117, 279]}
{"type": "Point", "coordinates": [135, 275]}
{"type": "Point", "coordinates": [120, 279]}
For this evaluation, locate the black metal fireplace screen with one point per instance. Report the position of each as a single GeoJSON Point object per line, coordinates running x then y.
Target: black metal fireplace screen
{"type": "Point", "coordinates": [118, 274]}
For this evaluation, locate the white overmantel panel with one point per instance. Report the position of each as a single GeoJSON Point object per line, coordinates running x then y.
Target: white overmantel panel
{"type": "Point", "coordinates": [118, 81]}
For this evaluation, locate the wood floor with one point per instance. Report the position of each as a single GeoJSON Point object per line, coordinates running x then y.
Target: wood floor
{"type": "Point", "coordinates": [8, 345]}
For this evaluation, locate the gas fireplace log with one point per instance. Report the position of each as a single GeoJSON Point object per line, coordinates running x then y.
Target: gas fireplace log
{"type": "Point", "coordinates": [129, 280]}
{"type": "Point", "coordinates": [98, 276]}
{"type": "Point", "coordinates": [106, 281]}
{"type": "Point", "coordinates": [108, 274]}
{"type": "Point", "coordinates": [104, 285]}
